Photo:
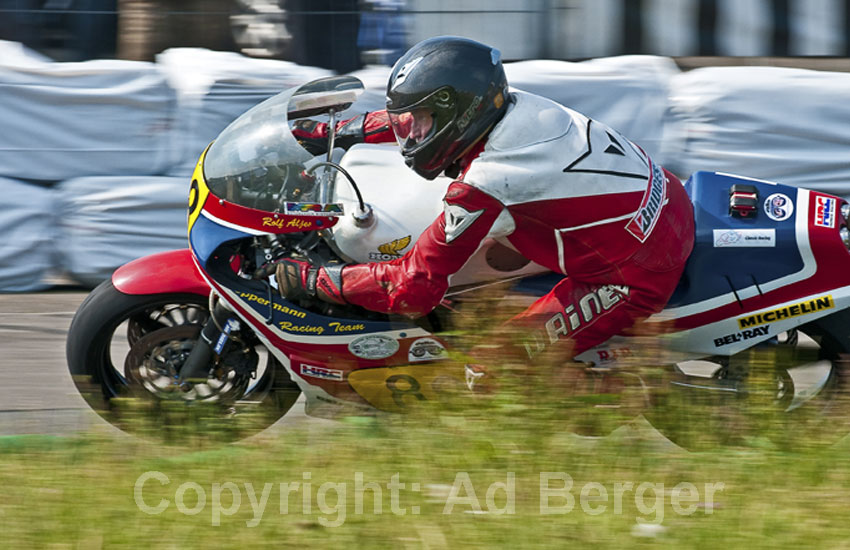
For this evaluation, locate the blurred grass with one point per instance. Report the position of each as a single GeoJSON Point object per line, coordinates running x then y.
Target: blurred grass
{"type": "Point", "coordinates": [776, 485]}
{"type": "Point", "coordinates": [78, 492]}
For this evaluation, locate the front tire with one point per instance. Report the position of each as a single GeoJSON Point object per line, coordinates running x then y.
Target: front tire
{"type": "Point", "coordinates": [119, 346]}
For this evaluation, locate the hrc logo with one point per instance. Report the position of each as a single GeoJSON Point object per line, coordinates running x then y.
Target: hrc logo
{"type": "Point", "coordinates": [824, 211]}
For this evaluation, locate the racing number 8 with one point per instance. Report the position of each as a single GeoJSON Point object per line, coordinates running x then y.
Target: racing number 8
{"type": "Point", "coordinates": [412, 388]}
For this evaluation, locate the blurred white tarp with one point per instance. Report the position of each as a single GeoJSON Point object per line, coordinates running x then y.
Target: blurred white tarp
{"type": "Point", "coordinates": [121, 138]}
{"type": "Point", "coordinates": [62, 120]}
{"type": "Point", "coordinates": [105, 222]}
{"type": "Point", "coordinates": [29, 235]}
{"type": "Point", "coordinates": [786, 125]}
{"type": "Point", "coordinates": [17, 54]}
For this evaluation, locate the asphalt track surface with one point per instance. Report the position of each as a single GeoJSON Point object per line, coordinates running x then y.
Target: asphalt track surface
{"type": "Point", "coordinates": [37, 395]}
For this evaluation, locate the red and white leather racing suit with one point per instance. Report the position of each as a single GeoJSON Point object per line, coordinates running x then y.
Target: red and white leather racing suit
{"type": "Point", "coordinates": [568, 193]}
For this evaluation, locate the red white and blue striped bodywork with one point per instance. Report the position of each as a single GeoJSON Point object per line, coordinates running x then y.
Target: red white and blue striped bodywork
{"type": "Point", "coordinates": [749, 278]}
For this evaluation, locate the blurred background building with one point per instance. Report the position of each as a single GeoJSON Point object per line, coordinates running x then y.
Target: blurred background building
{"type": "Point", "coordinates": [344, 35]}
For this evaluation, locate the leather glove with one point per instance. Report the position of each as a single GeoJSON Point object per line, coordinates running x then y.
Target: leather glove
{"type": "Point", "coordinates": [313, 135]}
{"type": "Point", "coordinates": [298, 280]}
{"type": "Point", "coordinates": [351, 132]}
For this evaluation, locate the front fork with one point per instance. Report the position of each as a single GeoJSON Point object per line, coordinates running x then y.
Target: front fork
{"type": "Point", "coordinates": [213, 336]}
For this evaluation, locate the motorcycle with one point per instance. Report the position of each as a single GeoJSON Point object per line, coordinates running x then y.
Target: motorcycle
{"type": "Point", "coordinates": [207, 324]}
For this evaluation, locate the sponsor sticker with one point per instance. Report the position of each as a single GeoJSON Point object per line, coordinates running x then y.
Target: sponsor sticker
{"type": "Point", "coordinates": [373, 346]}
{"type": "Point", "coordinates": [794, 310]}
{"type": "Point", "coordinates": [724, 238]}
{"type": "Point", "coordinates": [314, 209]}
{"type": "Point", "coordinates": [741, 336]}
{"type": "Point", "coordinates": [391, 250]}
{"type": "Point", "coordinates": [824, 211]}
{"type": "Point", "coordinates": [322, 372]}
{"type": "Point", "coordinates": [644, 220]}
{"type": "Point", "coordinates": [778, 207]}
{"type": "Point", "coordinates": [426, 349]}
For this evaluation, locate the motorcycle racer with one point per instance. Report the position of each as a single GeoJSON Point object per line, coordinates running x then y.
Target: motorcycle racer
{"type": "Point", "coordinates": [565, 191]}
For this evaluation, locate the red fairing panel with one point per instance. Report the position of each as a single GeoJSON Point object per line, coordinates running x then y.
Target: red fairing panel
{"type": "Point", "coordinates": [166, 272]}
{"type": "Point", "coordinates": [415, 283]}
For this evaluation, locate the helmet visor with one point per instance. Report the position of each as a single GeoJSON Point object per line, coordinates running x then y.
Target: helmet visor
{"type": "Point", "coordinates": [413, 128]}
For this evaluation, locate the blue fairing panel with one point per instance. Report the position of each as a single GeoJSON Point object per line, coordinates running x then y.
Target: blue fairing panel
{"type": "Point", "coordinates": [206, 235]}
{"type": "Point", "coordinates": [713, 271]}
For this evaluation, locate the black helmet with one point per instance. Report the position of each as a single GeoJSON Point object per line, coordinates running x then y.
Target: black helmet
{"type": "Point", "coordinates": [443, 95]}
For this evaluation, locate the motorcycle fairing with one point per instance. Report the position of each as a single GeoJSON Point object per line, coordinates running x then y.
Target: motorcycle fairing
{"type": "Point", "coordinates": [716, 273]}
{"type": "Point", "coordinates": [396, 389]}
{"type": "Point", "coordinates": [818, 258]}
{"type": "Point", "coordinates": [288, 320]}
{"type": "Point", "coordinates": [253, 180]}
{"type": "Point", "coordinates": [322, 354]}
{"type": "Point", "coordinates": [801, 279]}
{"type": "Point", "coordinates": [732, 335]}
{"type": "Point", "coordinates": [162, 273]}
{"type": "Point", "coordinates": [325, 397]}
{"type": "Point", "coordinates": [208, 228]}
{"type": "Point", "coordinates": [331, 392]}
{"type": "Point", "coordinates": [207, 235]}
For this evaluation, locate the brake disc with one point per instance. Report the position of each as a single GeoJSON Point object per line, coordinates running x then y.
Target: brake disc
{"type": "Point", "coordinates": [152, 368]}
{"type": "Point", "coordinates": [171, 315]}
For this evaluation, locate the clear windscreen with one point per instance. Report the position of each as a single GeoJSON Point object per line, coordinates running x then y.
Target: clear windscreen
{"type": "Point", "coordinates": [256, 162]}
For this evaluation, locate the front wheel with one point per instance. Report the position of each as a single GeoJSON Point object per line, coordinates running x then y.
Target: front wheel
{"type": "Point", "coordinates": [125, 351]}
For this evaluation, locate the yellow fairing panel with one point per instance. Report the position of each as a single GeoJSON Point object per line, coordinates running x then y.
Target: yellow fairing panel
{"type": "Point", "coordinates": [198, 192]}
{"type": "Point", "coordinates": [399, 389]}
